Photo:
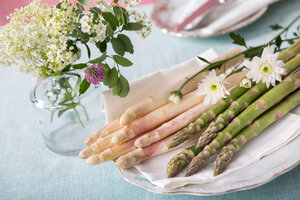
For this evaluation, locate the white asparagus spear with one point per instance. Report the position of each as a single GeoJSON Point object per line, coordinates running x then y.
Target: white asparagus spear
{"type": "Point", "coordinates": [107, 129]}
{"type": "Point", "coordinates": [146, 106]}
{"type": "Point", "coordinates": [140, 154]}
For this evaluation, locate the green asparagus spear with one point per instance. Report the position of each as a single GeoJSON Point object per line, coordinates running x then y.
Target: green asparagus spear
{"type": "Point", "coordinates": [182, 159]}
{"type": "Point", "coordinates": [237, 106]}
{"type": "Point", "coordinates": [245, 118]}
{"type": "Point", "coordinates": [228, 151]}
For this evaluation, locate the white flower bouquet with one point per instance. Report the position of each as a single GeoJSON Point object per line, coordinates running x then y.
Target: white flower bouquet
{"type": "Point", "coordinates": [44, 40]}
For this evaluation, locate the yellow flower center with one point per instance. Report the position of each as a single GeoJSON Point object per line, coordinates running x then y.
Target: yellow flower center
{"type": "Point", "coordinates": [265, 68]}
{"type": "Point", "coordinates": [213, 87]}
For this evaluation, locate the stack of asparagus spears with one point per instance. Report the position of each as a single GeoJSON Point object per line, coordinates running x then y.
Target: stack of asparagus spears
{"type": "Point", "coordinates": [145, 129]}
{"type": "Point", "coordinates": [155, 126]}
{"type": "Point", "coordinates": [235, 125]}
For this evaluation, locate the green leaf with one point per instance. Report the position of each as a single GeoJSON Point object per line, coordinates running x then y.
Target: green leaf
{"type": "Point", "coordinates": [118, 11]}
{"type": "Point", "coordinates": [79, 66]}
{"type": "Point", "coordinates": [127, 43]}
{"type": "Point", "coordinates": [99, 59]}
{"type": "Point", "coordinates": [111, 19]}
{"type": "Point", "coordinates": [122, 61]}
{"type": "Point", "coordinates": [84, 37]}
{"type": "Point", "coordinates": [203, 59]}
{"type": "Point", "coordinates": [133, 26]}
{"type": "Point", "coordinates": [105, 66]}
{"type": "Point", "coordinates": [117, 88]}
{"type": "Point", "coordinates": [84, 86]}
{"type": "Point", "coordinates": [251, 52]}
{"type": "Point", "coordinates": [102, 46]}
{"type": "Point", "coordinates": [97, 10]}
{"type": "Point", "coordinates": [275, 27]}
{"type": "Point", "coordinates": [77, 86]}
{"type": "Point", "coordinates": [60, 112]}
{"type": "Point", "coordinates": [278, 42]}
{"type": "Point", "coordinates": [109, 32]}
{"type": "Point", "coordinates": [85, 2]}
{"type": "Point", "coordinates": [80, 7]}
{"type": "Point", "coordinates": [106, 6]}
{"type": "Point", "coordinates": [125, 86]}
{"type": "Point", "coordinates": [111, 77]}
{"type": "Point", "coordinates": [116, 1]}
{"type": "Point", "coordinates": [237, 39]}
{"type": "Point", "coordinates": [88, 50]}
{"type": "Point", "coordinates": [92, 10]}
{"type": "Point", "coordinates": [118, 46]}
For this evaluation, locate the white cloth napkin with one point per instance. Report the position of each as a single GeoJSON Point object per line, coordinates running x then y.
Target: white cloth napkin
{"type": "Point", "coordinates": [240, 9]}
{"type": "Point", "coordinates": [151, 85]}
{"type": "Point", "coordinates": [274, 137]}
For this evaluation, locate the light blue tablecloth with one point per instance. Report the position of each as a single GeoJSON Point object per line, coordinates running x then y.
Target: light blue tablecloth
{"type": "Point", "coordinates": [28, 170]}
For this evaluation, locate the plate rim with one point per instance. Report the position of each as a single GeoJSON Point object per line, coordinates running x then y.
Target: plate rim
{"type": "Point", "coordinates": [243, 23]}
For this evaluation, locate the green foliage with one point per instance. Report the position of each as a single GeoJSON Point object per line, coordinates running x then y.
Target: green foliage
{"type": "Point", "coordinates": [118, 46]}
{"type": "Point", "coordinates": [133, 26]}
{"type": "Point", "coordinates": [276, 27]}
{"type": "Point", "coordinates": [84, 86]}
{"type": "Point", "coordinates": [85, 2]}
{"type": "Point", "coordinates": [122, 61]}
{"type": "Point", "coordinates": [238, 39]}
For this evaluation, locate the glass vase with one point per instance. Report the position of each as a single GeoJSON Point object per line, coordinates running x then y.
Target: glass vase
{"type": "Point", "coordinates": [66, 118]}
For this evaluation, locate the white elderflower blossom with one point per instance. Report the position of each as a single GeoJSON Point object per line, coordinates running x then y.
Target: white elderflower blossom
{"type": "Point", "coordinates": [213, 87]}
{"type": "Point", "coordinates": [131, 3]}
{"type": "Point", "coordinates": [142, 18]}
{"type": "Point", "coordinates": [266, 68]}
{"type": "Point", "coordinates": [38, 45]}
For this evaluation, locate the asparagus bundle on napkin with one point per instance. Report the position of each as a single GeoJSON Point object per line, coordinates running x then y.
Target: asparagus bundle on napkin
{"type": "Point", "coordinates": [258, 107]}
{"type": "Point", "coordinates": [228, 151]}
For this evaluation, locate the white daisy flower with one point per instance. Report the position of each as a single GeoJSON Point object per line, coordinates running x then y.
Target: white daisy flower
{"type": "Point", "coordinates": [266, 68]}
{"type": "Point", "coordinates": [213, 87]}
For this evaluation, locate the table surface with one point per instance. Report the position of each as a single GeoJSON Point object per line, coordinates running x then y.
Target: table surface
{"type": "Point", "coordinates": [28, 170]}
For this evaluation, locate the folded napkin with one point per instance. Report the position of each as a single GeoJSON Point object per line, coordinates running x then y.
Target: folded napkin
{"type": "Point", "coordinates": [151, 85]}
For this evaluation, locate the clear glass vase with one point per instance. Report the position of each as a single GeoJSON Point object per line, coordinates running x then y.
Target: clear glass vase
{"type": "Point", "coordinates": [66, 119]}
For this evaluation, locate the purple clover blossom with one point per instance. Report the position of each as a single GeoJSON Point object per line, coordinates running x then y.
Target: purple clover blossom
{"type": "Point", "coordinates": [94, 74]}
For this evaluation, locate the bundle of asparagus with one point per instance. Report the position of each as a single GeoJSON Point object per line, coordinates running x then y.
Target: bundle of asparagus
{"type": "Point", "coordinates": [261, 105]}
{"type": "Point", "coordinates": [104, 148]}
{"type": "Point", "coordinates": [116, 139]}
{"type": "Point", "coordinates": [228, 151]}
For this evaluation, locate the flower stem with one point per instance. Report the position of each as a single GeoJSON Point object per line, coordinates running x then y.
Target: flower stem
{"type": "Point", "coordinates": [77, 114]}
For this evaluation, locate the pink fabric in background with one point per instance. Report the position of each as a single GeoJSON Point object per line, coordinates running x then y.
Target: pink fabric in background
{"type": "Point", "coordinates": [8, 6]}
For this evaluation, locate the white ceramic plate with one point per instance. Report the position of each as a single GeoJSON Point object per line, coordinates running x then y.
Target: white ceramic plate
{"type": "Point", "coordinates": [165, 11]}
{"type": "Point", "coordinates": [259, 173]}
